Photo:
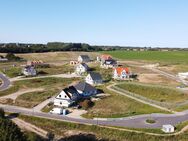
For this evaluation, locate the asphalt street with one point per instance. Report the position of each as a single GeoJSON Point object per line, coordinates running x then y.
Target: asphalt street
{"type": "Point", "coordinates": [6, 82]}
{"type": "Point", "coordinates": [131, 122]}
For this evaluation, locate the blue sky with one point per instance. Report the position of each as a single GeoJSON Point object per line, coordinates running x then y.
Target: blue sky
{"type": "Point", "coordinates": [153, 23]}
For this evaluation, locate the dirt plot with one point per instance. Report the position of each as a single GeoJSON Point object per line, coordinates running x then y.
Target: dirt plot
{"type": "Point", "coordinates": [174, 69]}
{"type": "Point", "coordinates": [156, 79]}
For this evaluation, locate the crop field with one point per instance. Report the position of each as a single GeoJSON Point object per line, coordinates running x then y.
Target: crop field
{"type": "Point", "coordinates": [158, 93]}
{"type": "Point", "coordinates": [157, 56]}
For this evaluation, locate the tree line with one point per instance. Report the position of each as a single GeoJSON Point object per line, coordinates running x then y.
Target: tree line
{"type": "Point", "coordinates": [49, 47]}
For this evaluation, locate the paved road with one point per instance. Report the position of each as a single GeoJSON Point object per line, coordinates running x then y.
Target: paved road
{"type": "Point", "coordinates": [6, 82]}
{"type": "Point", "coordinates": [132, 122]}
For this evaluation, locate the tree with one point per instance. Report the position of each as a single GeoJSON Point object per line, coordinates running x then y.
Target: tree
{"type": "Point", "coordinates": [10, 131]}
{"type": "Point", "coordinates": [2, 113]}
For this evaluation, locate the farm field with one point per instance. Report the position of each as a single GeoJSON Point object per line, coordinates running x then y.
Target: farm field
{"type": "Point", "coordinates": [154, 92]}
{"type": "Point", "coordinates": [170, 57]}
{"type": "Point", "coordinates": [115, 105]}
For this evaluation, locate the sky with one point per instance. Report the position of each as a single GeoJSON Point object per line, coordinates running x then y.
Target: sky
{"type": "Point", "coordinates": [155, 23]}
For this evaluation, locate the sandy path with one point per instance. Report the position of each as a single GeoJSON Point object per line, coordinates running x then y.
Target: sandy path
{"type": "Point", "coordinates": [29, 127]}
{"type": "Point", "coordinates": [13, 96]}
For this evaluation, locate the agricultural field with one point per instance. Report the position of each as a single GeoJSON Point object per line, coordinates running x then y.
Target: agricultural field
{"type": "Point", "coordinates": [170, 57]}
{"type": "Point", "coordinates": [115, 105]}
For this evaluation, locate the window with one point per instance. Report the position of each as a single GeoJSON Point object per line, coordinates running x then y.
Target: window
{"type": "Point", "coordinates": [65, 96]}
{"type": "Point", "coordinates": [60, 103]}
{"type": "Point", "coordinates": [59, 95]}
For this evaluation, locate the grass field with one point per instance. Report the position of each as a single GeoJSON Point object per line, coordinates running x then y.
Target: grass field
{"type": "Point", "coordinates": [158, 56]}
{"type": "Point", "coordinates": [47, 83]}
{"type": "Point", "coordinates": [154, 92]}
{"type": "Point", "coordinates": [61, 128]}
{"type": "Point", "coordinates": [116, 105]}
{"type": "Point", "coordinates": [30, 100]}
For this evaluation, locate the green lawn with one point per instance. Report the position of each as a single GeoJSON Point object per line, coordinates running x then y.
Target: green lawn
{"type": "Point", "coordinates": [116, 105]}
{"type": "Point", "coordinates": [170, 56]}
{"type": "Point", "coordinates": [12, 71]}
{"type": "Point", "coordinates": [158, 93]}
{"type": "Point", "coordinates": [61, 128]}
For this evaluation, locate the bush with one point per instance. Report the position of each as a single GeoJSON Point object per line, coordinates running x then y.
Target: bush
{"type": "Point", "coordinates": [86, 104]}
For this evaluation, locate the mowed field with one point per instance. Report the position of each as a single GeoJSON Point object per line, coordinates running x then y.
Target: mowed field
{"type": "Point", "coordinates": [158, 56]}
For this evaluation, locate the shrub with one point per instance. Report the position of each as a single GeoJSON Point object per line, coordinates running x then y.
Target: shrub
{"type": "Point", "coordinates": [86, 104]}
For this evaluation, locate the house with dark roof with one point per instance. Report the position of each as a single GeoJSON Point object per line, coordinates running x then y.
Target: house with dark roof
{"type": "Point", "coordinates": [110, 63]}
{"type": "Point", "coordinates": [81, 68]}
{"type": "Point", "coordinates": [29, 71]}
{"type": "Point", "coordinates": [83, 58]}
{"type": "Point", "coordinates": [94, 78]}
{"type": "Point", "coordinates": [85, 89]}
{"type": "Point", "coordinates": [67, 97]}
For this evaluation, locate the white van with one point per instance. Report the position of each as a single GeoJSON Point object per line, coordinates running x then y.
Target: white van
{"type": "Point", "coordinates": [58, 111]}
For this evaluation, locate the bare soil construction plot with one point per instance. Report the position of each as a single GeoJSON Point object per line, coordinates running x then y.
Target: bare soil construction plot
{"type": "Point", "coordinates": [156, 79]}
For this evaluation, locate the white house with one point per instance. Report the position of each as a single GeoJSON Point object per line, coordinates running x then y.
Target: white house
{"type": "Point", "coordinates": [67, 97]}
{"type": "Point", "coordinates": [83, 59]}
{"type": "Point", "coordinates": [168, 128]}
{"type": "Point", "coordinates": [29, 71]}
{"type": "Point", "coordinates": [121, 73]}
{"type": "Point", "coordinates": [183, 75]}
{"type": "Point", "coordinates": [82, 68]}
{"type": "Point", "coordinates": [94, 78]}
{"type": "Point", "coordinates": [85, 89]}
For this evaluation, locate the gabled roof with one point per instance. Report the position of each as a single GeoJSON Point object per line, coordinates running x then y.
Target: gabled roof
{"type": "Point", "coordinates": [95, 76]}
{"type": "Point", "coordinates": [85, 57]}
{"type": "Point", "coordinates": [120, 69]}
{"type": "Point", "coordinates": [84, 87]}
{"type": "Point", "coordinates": [71, 90]}
{"type": "Point", "coordinates": [106, 57]}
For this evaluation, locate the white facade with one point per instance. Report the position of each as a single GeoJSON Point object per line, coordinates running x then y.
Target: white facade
{"type": "Point", "coordinates": [63, 100]}
{"type": "Point", "coordinates": [168, 128]}
{"type": "Point", "coordinates": [81, 69]}
{"type": "Point", "coordinates": [29, 71]}
{"type": "Point", "coordinates": [92, 81]}
{"type": "Point", "coordinates": [122, 75]}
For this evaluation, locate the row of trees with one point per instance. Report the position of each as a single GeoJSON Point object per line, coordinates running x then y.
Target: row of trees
{"type": "Point", "coordinates": [49, 47]}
